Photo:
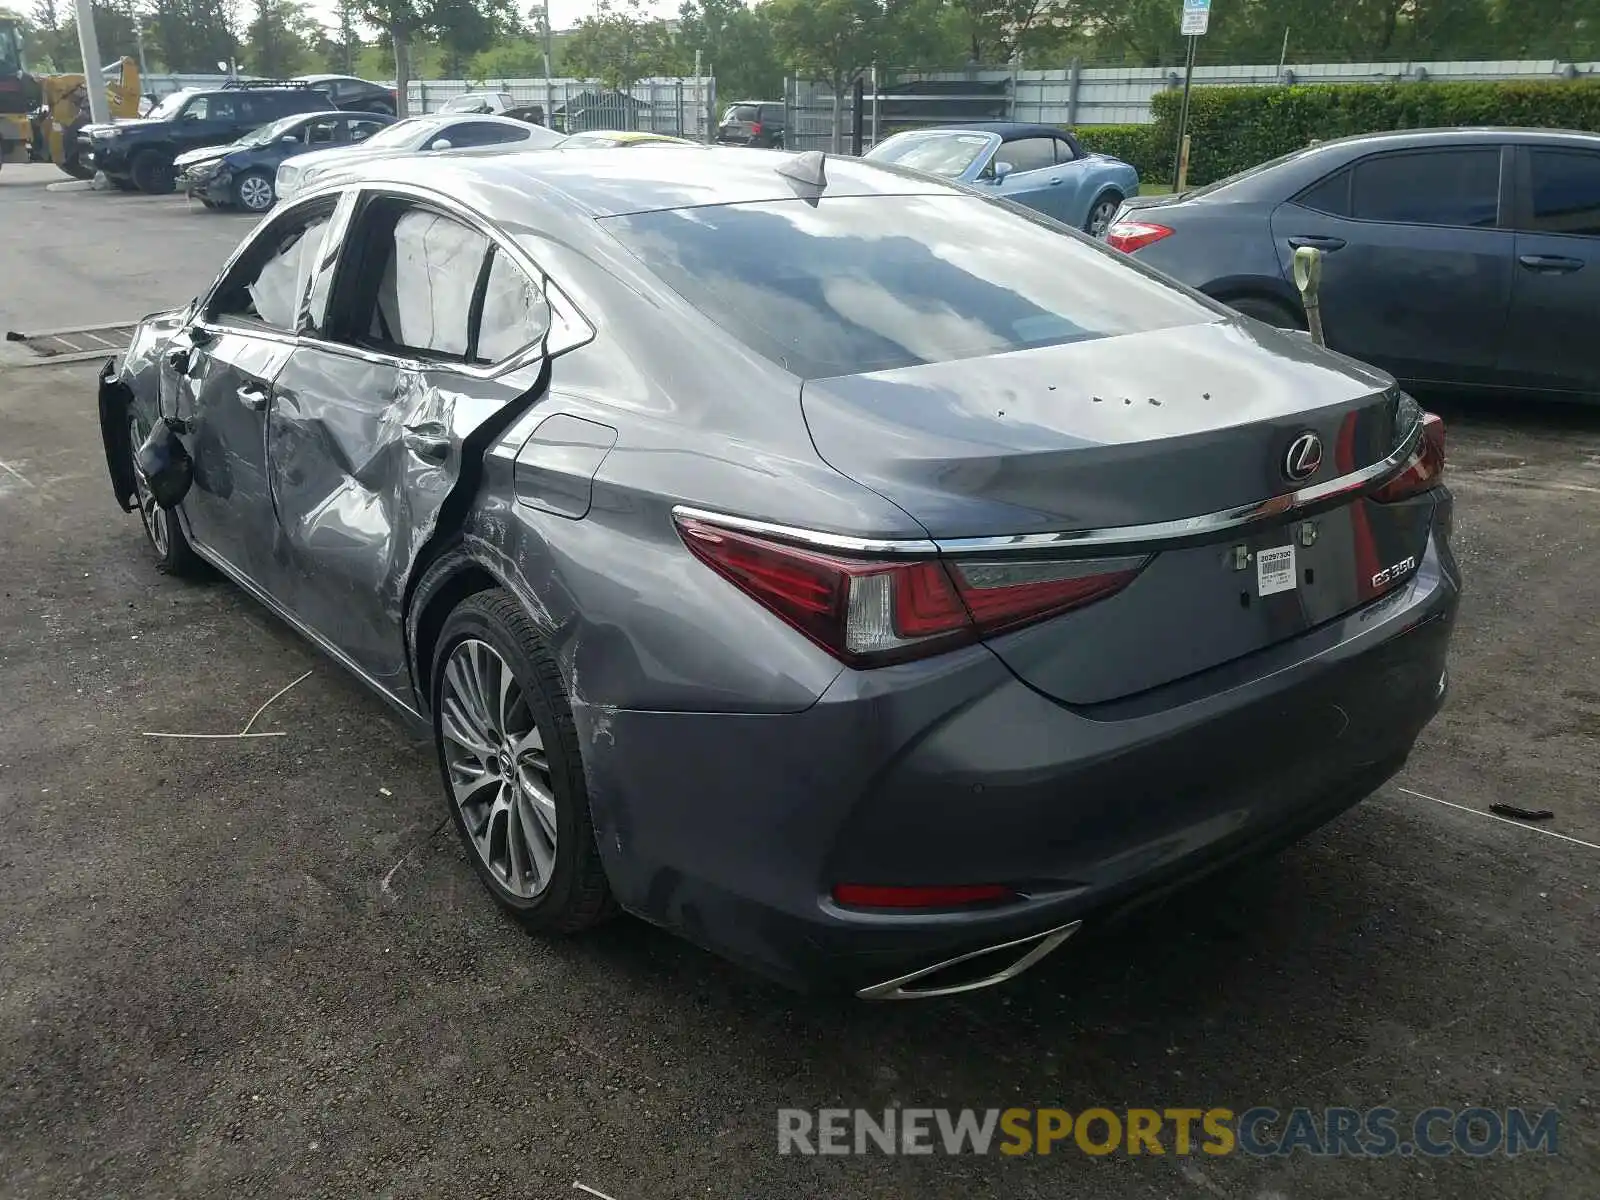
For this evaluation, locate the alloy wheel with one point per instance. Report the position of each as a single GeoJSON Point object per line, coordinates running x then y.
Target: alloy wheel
{"type": "Point", "coordinates": [497, 767]}
{"type": "Point", "coordinates": [150, 513]}
{"type": "Point", "coordinates": [1100, 219]}
{"type": "Point", "coordinates": [255, 193]}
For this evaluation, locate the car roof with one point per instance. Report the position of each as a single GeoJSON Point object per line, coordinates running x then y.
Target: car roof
{"type": "Point", "coordinates": [1008, 131]}
{"type": "Point", "coordinates": [602, 183]}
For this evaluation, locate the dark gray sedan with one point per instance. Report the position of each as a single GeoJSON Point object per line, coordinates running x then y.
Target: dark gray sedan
{"type": "Point", "coordinates": [1461, 258]}
{"type": "Point", "coordinates": [862, 578]}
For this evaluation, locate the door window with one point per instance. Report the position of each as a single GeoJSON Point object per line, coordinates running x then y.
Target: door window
{"type": "Point", "coordinates": [424, 299]}
{"type": "Point", "coordinates": [482, 133]}
{"type": "Point", "coordinates": [322, 133]}
{"type": "Point", "coordinates": [1064, 151]}
{"type": "Point", "coordinates": [360, 131]}
{"type": "Point", "coordinates": [515, 313]}
{"type": "Point", "coordinates": [1565, 192]}
{"type": "Point", "coordinates": [1439, 187]}
{"type": "Point", "coordinates": [201, 108]}
{"type": "Point", "coordinates": [271, 280]}
{"type": "Point", "coordinates": [1331, 196]}
{"type": "Point", "coordinates": [1028, 154]}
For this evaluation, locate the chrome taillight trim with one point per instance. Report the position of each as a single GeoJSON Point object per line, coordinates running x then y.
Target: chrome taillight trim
{"type": "Point", "coordinates": [1154, 534]}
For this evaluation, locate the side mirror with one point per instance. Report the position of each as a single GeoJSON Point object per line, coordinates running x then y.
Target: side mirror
{"type": "Point", "coordinates": [439, 144]}
{"type": "Point", "coordinates": [1001, 170]}
{"type": "Point", "coordinates": [289, 139]}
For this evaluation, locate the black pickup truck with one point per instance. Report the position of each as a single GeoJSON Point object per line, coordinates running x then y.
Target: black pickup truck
{"type": "Point", "coordinates": [139, 154]}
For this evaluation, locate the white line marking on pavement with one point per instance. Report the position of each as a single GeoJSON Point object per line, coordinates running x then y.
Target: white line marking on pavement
{"type": "Point", "coordinates": [1502, 820]}
{"type": "Point", "coordinates": [583, 1187]}
{"type": "Point", "coordinates": [10, 470]}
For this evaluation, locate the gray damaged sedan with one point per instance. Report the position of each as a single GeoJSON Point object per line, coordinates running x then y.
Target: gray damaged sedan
{"type": "Point", "coordinates": [859, 577]}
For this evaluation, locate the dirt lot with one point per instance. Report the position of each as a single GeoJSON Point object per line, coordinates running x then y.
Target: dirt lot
{"type": "Point", "coordinates": [264, 968]}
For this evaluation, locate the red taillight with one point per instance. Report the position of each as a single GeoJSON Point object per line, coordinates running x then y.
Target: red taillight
{"type": "Point", "coordinates": [861, 895]}
{"type": "Point", "coordinates": [755, 128]}
{"type": "Point", "coordinates": [1425, 467]}
{"type": "Point", "coordinates": [1129, 236]}
{"type": "Point", "coordinates": [868, 612]}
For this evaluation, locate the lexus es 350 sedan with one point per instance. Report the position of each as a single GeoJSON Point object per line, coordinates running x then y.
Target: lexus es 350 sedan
{"type": "Point", "coordinates": [862, 578]}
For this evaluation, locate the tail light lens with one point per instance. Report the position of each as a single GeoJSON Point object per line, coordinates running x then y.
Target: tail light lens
{"type": "Point", "coordinates": [1424, 469]}
{"type": "Point", "coordinates": [755, 128]}
{"type": "Point", "coordinates": [959, 895]}
{"type": "Point", "coordinates": [867, 613]}
{"type": "Point", "coordinates": [1129, 236]}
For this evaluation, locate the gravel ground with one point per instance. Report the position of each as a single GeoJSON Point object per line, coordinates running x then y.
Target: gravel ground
{"type": "Point", "coordinates": [264, 968]}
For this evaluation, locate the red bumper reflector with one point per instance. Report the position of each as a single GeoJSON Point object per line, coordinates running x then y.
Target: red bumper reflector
{"type": "Point", "coordinates": [861, 895]}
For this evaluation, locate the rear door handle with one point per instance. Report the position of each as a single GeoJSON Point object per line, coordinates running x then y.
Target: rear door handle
{"type": "Point", "coordinates": [428, 442]}
{"type": "Point", "coordinates": [1056, 182]}
{"type": "Point", "coordinates": [255, 397]}
{"type": "Point", "coordinates": [1550, 262]}
{"type": "Point", "coordinates": [1326, 244]}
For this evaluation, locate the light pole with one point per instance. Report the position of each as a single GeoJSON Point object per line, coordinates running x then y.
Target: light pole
{"type": "Point", "coordinates": [94, 79]}
{"type": "Point", "coordinates": [541, 14]}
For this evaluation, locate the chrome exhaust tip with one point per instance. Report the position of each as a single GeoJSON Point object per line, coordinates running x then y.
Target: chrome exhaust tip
{"type": "Point", "coordinates": [1030, 951]}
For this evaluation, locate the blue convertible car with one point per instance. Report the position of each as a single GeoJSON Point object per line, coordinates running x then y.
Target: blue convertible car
{"type": "Point", "coordinates": [1039, 166]}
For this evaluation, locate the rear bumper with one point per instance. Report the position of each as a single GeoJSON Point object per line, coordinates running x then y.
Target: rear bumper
{"type": "Point", "coordinates": [732, 829]}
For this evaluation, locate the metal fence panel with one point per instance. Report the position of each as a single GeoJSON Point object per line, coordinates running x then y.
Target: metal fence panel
{"type": "Point", "coordinates": [677, 106]}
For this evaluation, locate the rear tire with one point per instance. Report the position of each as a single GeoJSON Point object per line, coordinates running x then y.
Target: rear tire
{"type": "Point", "coordinates": [162, 529]}
{"type": "Point", "coordinates": [1266, 310]}
{"type": "Point", "coordinates": [153, 173]}
{"type": "Point", "coordinates": [512, 770]}
{"type": "Point", "coordinates": [1098, 222]}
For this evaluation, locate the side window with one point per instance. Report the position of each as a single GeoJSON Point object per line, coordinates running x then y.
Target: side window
{"type": "Point", "coordinates": [198, 109]}
{"type": "Point", "coordinates": [424, 295]}
{"type": "Point", "coordinates": [1440, 187]}
{"type": "Point", "coordinates": [322, 133]}
{"type": "Point", "coordinates": [224, 108]}
{"type": "Point", "coordinates": [270, 282]}
{"type": "Point", "coordinates": [360, 131]}
{"type": "Point", "coordinates": [1565, 192]}
{"type": "Point", "coordinates": [1064, 151]}
{"type": "Point", "coordinates": [515, 312]}
{"type": "Point", "coordinates": [1028, 154]}
{"type": "Point", "coordinates": [772, 114]}
{"type": "Point", "coordinates": [483, 133]}
{"type": "Point", "coordinates": [1331, 195]}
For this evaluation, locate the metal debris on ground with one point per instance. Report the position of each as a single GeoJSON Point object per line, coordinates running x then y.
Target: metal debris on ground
{"type": "Point", "coordinates": [245, 732]}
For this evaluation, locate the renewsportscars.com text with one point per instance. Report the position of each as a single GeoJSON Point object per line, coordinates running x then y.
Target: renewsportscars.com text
{"type": "Point", "coordinates": [1258, 1132]}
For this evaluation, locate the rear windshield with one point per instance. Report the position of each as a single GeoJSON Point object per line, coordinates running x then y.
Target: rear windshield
{"type": "Point", "coordinates": [868, 283]}
{"type": "Point", "coordinates": [742, 112]}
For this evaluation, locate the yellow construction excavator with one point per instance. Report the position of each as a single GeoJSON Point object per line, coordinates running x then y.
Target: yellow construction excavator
{"type": "Point", "coordinates": [40, 115]}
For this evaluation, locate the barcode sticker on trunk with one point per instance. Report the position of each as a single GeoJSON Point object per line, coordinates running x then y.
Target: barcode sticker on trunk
{"type": "Point", "coordinates": [1275, 570]}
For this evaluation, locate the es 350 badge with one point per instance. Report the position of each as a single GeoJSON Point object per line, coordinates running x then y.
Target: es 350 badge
{"type": "Point", "coordinates": [1393, 574]}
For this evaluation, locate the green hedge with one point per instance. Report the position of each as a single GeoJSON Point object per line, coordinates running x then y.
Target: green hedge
{"type": "Point", "coordinates": [1233, 128]}
{"type": "Point", "coordinates": [1135, 145]}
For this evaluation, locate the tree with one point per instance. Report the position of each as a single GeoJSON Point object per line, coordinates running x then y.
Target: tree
{"type": "Point", "coordinates": [281, 37]}
{"type": "Point", "coordinates": [348, 44]}
{"type": "Point", "coordinates": [193, 35]}
{"type": "Point", "coordinates": [404, 21]}
{"type": "Point", "coordinates": [622, 45]}
{"type": "Point", "coordinates": [830, 42]}
{"type": "Point", "coordinates": [735, 44]}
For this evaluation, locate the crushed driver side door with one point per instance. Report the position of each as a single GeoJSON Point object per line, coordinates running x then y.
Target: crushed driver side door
{"type": "Point", "coordinates": [436, 340]}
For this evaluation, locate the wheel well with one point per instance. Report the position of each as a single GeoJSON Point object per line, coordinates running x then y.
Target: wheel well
{"type": "Point", "coordinates": [461, 581]}
{"type": "Point", "coordinates": [1229, 294]}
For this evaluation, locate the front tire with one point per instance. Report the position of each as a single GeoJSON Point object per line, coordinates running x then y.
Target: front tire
{"type": "Point", "coordinates": [153, 173]}
{"type": "Point", "coordinates": [253, 192]}
{"type": "Point", "coordinates": [512, 771]}
{"type": "Point", "coordinates": [1098, 223]}
{"type": "Point", "coordinates": [162, 529]}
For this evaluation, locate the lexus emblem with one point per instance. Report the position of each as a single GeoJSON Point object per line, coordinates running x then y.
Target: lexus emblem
{"type": "Point", "coordinates": [1304, 456]}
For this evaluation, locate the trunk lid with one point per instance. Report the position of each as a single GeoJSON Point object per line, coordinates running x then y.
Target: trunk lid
{"type": "Point", "coordinates": [1143, 429]}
